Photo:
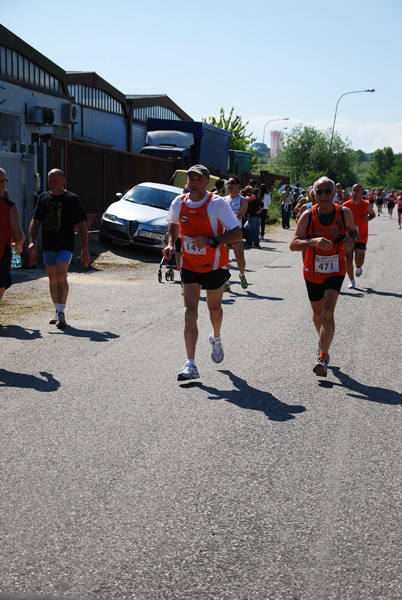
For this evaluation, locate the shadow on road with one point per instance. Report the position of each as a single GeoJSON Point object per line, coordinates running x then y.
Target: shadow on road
{"type": "Point", "coordinates": [24, 381]}
{"type": "Point", "coordinates": [19, 333]}
{"type": "Point", "coordinates": [250, 398]}
{"type": "Point", "coordinates": [362, 391]}
{"type": "Point", "coordinates": [93, 336]}
{"type": "Point", "coordinates": [389, 294]}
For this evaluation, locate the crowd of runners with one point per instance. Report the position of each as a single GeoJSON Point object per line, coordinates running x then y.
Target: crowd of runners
{"type": "Point", "coordinates": [203, 226]}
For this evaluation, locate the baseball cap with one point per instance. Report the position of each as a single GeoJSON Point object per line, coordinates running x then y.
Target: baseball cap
{"type": "Point", "coordinates": [200, 169]}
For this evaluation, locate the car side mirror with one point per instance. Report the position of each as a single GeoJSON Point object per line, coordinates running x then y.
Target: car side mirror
{"type": "Point", "coordinates": [119, 195]}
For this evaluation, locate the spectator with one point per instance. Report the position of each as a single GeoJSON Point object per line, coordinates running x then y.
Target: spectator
{"type": "Point", "coordinates": [254, 209]}
{"type": "Point", "coordinates": [266, 199]}
{"type": "Point", "coordinates": [286, 207]}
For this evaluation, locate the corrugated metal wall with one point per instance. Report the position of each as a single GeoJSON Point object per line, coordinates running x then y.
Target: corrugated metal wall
{"type": "Point", "coordinates": [138, 135]}
{"type": "Point", "coordinates": [20, 173]}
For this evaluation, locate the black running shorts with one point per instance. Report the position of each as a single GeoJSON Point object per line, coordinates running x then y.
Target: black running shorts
{"type": "Point", "coordinates": [211, 280]}
{"type": "Point", "coordinates": [316, 291]}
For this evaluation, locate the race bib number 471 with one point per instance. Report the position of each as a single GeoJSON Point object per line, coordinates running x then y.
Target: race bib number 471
{"type": "Point", "coordinates": [327, 264]}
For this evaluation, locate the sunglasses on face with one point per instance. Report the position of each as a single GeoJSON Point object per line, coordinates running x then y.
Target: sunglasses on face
{"type": "Point", "coordinates": [327, 192]}
{"type": "Point", "coordinates": [232, 183]}
{"type": "Point", "coordinates": [3, 180]}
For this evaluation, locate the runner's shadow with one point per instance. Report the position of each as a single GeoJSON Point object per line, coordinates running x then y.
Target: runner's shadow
{"type": "Point", "coordinates": [378, 293]}
{"type": "Point", "coordinates": [362, 391]}
{"type": "Point", "coordinates": [93, 336]}
{"type": "Point", "coordinates": [19, 333]}
{"type": "Point", "coordinates": [24, 381]}
{"type": "Point", "coordinates": [251, 398]}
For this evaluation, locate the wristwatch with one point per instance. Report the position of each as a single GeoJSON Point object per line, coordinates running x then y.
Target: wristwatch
{"type": "Point", "coordinates": [213, 242]}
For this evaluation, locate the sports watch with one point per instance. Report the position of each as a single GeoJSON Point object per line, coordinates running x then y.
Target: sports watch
{"type": "Point", "coordinates": [213, 242]}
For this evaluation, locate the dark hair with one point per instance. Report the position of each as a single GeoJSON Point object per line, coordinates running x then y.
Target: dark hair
{"type": "Point", "coordinates": [263, 189]}
{"type": "Point", "coordinates": [219, 184]}
{"type": "Point", "coordinates": [256, 192]}
{"type": "Point", "coordinates": [235, 179]}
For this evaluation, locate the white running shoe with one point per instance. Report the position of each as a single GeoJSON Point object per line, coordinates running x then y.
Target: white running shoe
{"type": "Point", "coordinates": [61, 321]}
{"type": "Point", "coordinates": [351, 284]}
{"type": "Point", "coordinates": [359, 271]}
{"type": "Point", "coordinates": [189, 371]}
{"type": "Point", "coordinates": [217, 350]}
{"type": "Point", "coordinates": [54, 320]}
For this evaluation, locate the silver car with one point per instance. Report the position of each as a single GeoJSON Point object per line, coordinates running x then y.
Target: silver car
{"type": "Point", "coordinates": [139, 217]}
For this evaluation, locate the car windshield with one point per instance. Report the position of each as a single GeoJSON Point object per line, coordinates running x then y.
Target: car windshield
{"type": "Point", "coordinates": [151, 196]}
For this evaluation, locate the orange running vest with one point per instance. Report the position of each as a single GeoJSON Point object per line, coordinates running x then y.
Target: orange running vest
{"type": "Point", "coordinates": [358, 212]}
{"type": "Point", "coordinates": [320, 264]}
{"type": "Point", "coordinates": [195, 222]}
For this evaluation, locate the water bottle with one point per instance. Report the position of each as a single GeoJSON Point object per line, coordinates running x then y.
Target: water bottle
{"type": "Point", "coordinates": [16, 262]}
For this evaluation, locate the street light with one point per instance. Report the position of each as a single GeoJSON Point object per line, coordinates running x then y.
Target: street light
{"type": "Point", "coordinates": [271, 121]}
{"type": "Point", "coordinates": [336, 110]}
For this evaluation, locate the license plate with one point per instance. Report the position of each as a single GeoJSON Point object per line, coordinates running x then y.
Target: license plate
{"type": "Point", "coordinates": [150, 234]}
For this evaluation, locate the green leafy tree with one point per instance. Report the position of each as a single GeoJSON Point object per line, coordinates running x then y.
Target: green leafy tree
{"type": "Point", "coordinates": [383, 163]}
{"type": "Point", "coordinates": [241, 140]}
{"type": "Point", "coordinates": [360, 157]}
{"type": "Point", "coordinates": [305, 157]}
{"type": "Point", "coordinates": [393, 179]}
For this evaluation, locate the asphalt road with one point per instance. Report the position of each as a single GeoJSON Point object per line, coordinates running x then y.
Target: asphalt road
{"type": "Point", "coordinates": [259, 481]}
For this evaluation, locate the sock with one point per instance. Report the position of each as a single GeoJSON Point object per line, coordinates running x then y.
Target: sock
{"type": "Point", "coordinates": [61, 308]}
{"type": "Point", "coordinates": [191, 361]}
{"type": "Point", "coordinates": [56, 306]}
{"type": "Point", "coordinates": [324, 356]}
{"type": "Point", "coordinates": [241, 274]}
{"type": "Point", "coordinates": [357, 266]}
{"type": "Point", "coordinates": [216, 339]}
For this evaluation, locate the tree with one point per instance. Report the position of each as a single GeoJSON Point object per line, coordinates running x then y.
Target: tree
{"type": "Point", "coordinates": [305, 157]}
{"type": "Point", "coordinates": [241, 140]}
{"type": "Point", "coordinates": [360, 157]}
{"type": "Point", "coordinates": [383, 162]}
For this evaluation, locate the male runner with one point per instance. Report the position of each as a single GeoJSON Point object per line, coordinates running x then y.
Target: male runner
{"type": "Point", "coordinates": [362, 213]}
{"type": "Point", "coordinates": [239, 206]}
{"type": "Point", "coordinates": [205, 223]}
{"type": "Point", "coordinates": [325, 232]}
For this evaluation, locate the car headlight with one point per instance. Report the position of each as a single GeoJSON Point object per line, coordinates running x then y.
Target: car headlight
{"type": "Point", "coordinates": [113, 219]}
{"type": "Point", "coordinates": [160, 228]}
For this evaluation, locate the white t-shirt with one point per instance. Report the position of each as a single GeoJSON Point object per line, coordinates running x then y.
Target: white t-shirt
{"type": "Point", "coordinates": [235, 204]}
{"type": "Point", "coordinates": [218, 210]}
{"type": "Point", "coordinates": [267, 201]}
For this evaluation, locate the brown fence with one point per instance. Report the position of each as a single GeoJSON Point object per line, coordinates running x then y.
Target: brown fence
{"type": "Point", "coordinates": [270, 179]}
{"type": "Point", "coordinates": [97, 174]}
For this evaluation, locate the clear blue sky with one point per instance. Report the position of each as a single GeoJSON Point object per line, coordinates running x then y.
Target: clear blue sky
{"type": "Point", "coordinates": [268, 59]}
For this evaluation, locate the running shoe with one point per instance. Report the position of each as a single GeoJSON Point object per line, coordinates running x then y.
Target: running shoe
{"type": "Point", "coordinates": [227, 287]}
{"type": "Point", "coordinates": [359, 271]}
{"type": "Point", "coordinates": [321, 368]}
{"type": "Point", "coordinates": [53, 321]}
{"type": "Point", "coordinates": [217, 350]}
{"type": "Point", "coordinates": [318, 354]}
{"type": "Point", "coordinates": [243, 281]}
{"type": "Point", "coordinates": [61, 321]}
{"type": "Point", "coordinates": [189, 371]}
{"type": "Point", "coordinates": [351, 284]}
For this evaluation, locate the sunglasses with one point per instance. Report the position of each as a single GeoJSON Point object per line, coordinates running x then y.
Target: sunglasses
{"type": "Point", "coordinates": [327, 192]}
{"type": "Point", "coordinates": [3, 180]}
{"type": "Point", "coordinates": [232, 183]}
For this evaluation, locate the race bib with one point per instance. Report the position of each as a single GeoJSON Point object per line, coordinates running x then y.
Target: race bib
{"type": "Point", "coordinates": [327, 264]}
{"type": "Point", "coordinates": [190, 248]}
